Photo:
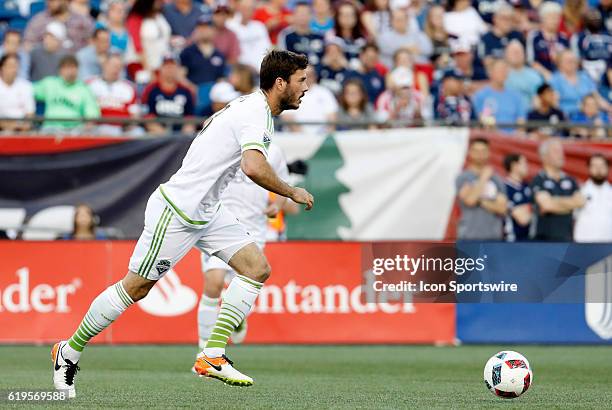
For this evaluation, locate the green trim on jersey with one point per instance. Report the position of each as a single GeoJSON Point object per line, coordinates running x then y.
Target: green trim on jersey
{"type": "Point", "coordinates": [179, 212]}
{"type": "Point", "coordinates": [256, 144]}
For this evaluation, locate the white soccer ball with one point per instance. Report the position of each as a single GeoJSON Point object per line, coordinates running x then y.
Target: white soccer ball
{"type": "Point", "coordinates": [508, 374]}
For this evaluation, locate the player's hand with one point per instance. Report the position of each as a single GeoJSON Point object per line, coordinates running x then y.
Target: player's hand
{"type": "Point", "coordinates": [301, 196]}
{"type": "Point", "coordinates": [486, 173]}
{"type": "Point", "coordinates": [272, 210]}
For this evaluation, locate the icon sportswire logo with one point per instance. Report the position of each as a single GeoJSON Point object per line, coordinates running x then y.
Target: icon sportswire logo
{"type": "Point", "coordinates": [169, 297]}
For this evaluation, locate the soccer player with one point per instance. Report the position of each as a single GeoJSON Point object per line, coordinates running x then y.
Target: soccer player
{"type": "Point", "coordinates": [186, 211]}
{"type": "Point", "coordinates": [251, 205]}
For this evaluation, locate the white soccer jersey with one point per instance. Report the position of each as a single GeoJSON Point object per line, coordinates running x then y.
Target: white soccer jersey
{"type": "Point", "coordinates": [248, 201]}
{"type": "Point", "coordinates": [213, 159]}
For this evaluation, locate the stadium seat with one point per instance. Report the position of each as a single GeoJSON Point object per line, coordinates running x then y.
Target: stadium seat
{"type": "Point", "coordinates": [50, 223]}
{"type": "Point", "coordinates": [9, 9]}
{"type": "Point", "coordinates": [203, 103]}
{"type": "Point", "coordinates": [11, 219]}
{"type": "Point", "coordinates": [36, 7]}
{"type": "Point", "coordinates": [18, 23]}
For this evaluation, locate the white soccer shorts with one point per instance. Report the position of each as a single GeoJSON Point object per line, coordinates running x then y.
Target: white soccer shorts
{"type": "Point", "coordinates": [165, 240]}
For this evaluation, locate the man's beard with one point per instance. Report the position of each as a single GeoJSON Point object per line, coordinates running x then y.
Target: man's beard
{"type": "Point", "coordinates": [598, 180]}
{"type": "Point", "coordinates": [285, 103]}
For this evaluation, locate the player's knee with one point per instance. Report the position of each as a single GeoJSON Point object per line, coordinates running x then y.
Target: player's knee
{"type": "Point", "coordinates": [262, 271]}
{"type": "Point", "coordinates": [137, 287]}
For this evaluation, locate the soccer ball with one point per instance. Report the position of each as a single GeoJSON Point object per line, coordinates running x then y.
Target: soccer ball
{"type": "Point", "coordinates": [508, 374]}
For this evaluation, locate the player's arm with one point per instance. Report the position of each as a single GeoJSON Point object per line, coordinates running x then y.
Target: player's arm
{"type": "Point", "coordinates": [255, 166]}
{"type": "Point", "coordinates": [470, 193]}
{"type": "Point", "coordinates": [499, 205]}
{"type": "Point", "coordinates": [522, 214]}
{"type": "Point", "coordinates": [558, 205]}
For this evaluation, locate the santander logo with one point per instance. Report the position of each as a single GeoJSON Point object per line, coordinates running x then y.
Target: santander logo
{"type": "Point", "coordinates": [169, 297]}
{"type": "Point", "coordinates": [22, 297]}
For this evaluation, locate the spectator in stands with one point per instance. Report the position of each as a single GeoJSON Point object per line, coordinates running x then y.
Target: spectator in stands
{"type": "Point", "coordinates": [605, 9]}
{"type": "Point", "coordinates": [334, 67]}
{"type": "Point", "coordinates": [114, 21]}
{"type": "Point", "coordinates": [572, 84]}
{"type": "Point", "coordinates": [434, 29]}
{"type": "Point", "coordinates": [149, 39]}
{"type": "Point", "coordinates": [453, 106]}
{"type": "Point", "coordinates": [348, 27]}
{"type": "Point", "coordinates": [401, 37]}
{"type": "Point", "coordinates": [299, 38]}
{"type": "Point", "coordinates": [16, 95]}
{"type": "Point", "coordinates": [403, 61]}
{"type": "Point", "coordinates": [182, 16]}
{"type": "Point", "coordinates": [318, 105]}
{"type": "Point", "coordinates": [354, 106]}
{"type": "Point", "coordinates": [546, 110]}
{"type": "Point", "coordinates": [275, 15]}
{"type": "Point", "coordinates": [65, 96]}
{"type": "Point", "coordinates": [252, 34]}
{"type": "Point", "coordinates": [241, 81]}
{"type": "Point", "coordinates": [571, 19]}
{"type": "Point", "coordinates": [78, 27]}
{"type": "Point", "coordinates": [495, 103]}
{"type": "Point", "coordinates": [590, 114]}
{"type": "Point", "coordinates": [45, 58]}
{"type": "Point", "coordinates": [168, 98]}
{"type": "Point", "coordinates": [494, 42]}
{"type": "Point", "coordinates": [369, 71]}
{"type": "Point", "coordinates": [521, 78]}
{"type": "Point", "coordinates": [463, 57]}
{"type": "Point", "coordinates": [402, 101]}
{"type": "Point", "coordinates": [556, 195]}
{"type": "Point", "coordinates": [463, 22]}
{"type": "Point", "coordinates": [376, 18]}
{"type": "Point", "coordinates": [82, 7]}
{"type": "Point", "coordinates": [593, 46]}
{"type": "Point", "coordinates": [93, 56]}
{"type": "Point", "coordinates": [203, 62]}
{"type": "Point", "coordinates": [115, 96]}
{"type": "Point", "coordinates": [520, 198]}
{"type": "Point", "coordinates": [85, 225]}
{"type": "Point", "coordinates": [594, 219]}
{"type": "Point", "coordinates": [11, 44]}
{"type": "Point", "coordinates": [323, 17]}
{"type": "Point", "coordinates": [545, 44]}
{"type": "Point", "coordinates": [226, 40]}
{"type": "Point", "coordinates": [482, 196]}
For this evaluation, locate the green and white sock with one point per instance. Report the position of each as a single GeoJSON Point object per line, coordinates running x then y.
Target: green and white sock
{"type": "Point", "coordinates": [237, 303]}
{"type": "Point", "coordinates": [103, 311]}
{"type": "Point", "coordinates": [208, 311]}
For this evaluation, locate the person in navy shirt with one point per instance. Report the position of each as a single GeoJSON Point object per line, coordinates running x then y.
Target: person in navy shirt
{"type": "Point", "coordinates": [299, 38]}
{"type": "Point", "coordinates": [369, 72]}
{"type": "Point", "coordinates": [520, 198]}
{"type": "Point", "coordinates": [204, 63]}
{"type": "Point", "coordinates": [334, 67]}
{"type": "Point", "coordinates": [593, 46]}
{"type": "Point", "coordinates": [493, 43]}
{"type": "Point", "coordinates": [452, 105]}
{"type": "Point", "coordinates": [544, 45]}
{"type": "Point", "coordinates": [182, 16]}
{"type": "Point", "coordinates": [168, 98]}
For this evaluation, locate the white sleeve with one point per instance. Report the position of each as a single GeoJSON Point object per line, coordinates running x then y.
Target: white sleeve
{"type": "Point", "coordinates": [30, 105]}
{"type": "Point", "coordinates": [253, 130]}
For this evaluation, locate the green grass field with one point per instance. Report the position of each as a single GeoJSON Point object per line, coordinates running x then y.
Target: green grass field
{"type": "Point", "coordinates": [299, 377]}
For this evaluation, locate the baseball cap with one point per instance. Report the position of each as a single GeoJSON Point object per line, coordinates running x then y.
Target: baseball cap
{"type": "Point", "coordinates": [204, 20]}
{"type": "Point", "coordinates": [336, 41]}
{"type": "Point", "coordinates": [57, 30]}
{"type": "Point", "coordinates": [402, 77]}
{"type": "Point", "coordinates": [170, 58]}
{"type": "Point", "coordinates": [459, 46]}
{"type": "Point", "coordinates": [452, 74]}
{"type": "Point", "coordinates": [221, 6]}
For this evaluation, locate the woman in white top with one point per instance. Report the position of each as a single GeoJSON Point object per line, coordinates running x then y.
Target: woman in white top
{"type": "Point", "coordinates": [149, 39]}
{"type": "Point", "coordinates": [463, 21]}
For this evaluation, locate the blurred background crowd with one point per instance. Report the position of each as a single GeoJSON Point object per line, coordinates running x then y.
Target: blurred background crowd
{"type": "Point", "coordinates": [382, 61]}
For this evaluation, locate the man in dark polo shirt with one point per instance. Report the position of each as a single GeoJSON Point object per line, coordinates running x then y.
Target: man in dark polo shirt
{"type": "Point", "coordinates": [556, 195]}
{"type": "Point", "coordinates": [482, 196]}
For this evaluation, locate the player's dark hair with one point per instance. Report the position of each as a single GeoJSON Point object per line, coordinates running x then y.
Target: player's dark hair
{"type": "Point", "coordinates": [592, 157]}
{"type": "Point", "coordinates": [280, 64]}
{"type": "Point", "coordinates": [478, 140]}
{"type": "Point", "coordinates": [510, 160]}
{"type": "Point", "coordinates": [543, 88]}
{"type": "Point", "coordinates": [7, 57]}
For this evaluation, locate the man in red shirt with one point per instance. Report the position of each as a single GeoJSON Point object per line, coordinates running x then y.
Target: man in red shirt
{"type": "Point", "coordinates": [275, 16]}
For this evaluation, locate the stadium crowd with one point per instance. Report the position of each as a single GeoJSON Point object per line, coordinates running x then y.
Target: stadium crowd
{"type": "Point", "coordinates": [454, 61]}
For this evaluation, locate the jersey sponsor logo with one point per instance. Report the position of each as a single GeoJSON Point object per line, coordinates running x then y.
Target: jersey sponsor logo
{"type": "Point", "coordinates": [162, 266]}
{"type": "Point", "coordinates": [169, 297]}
